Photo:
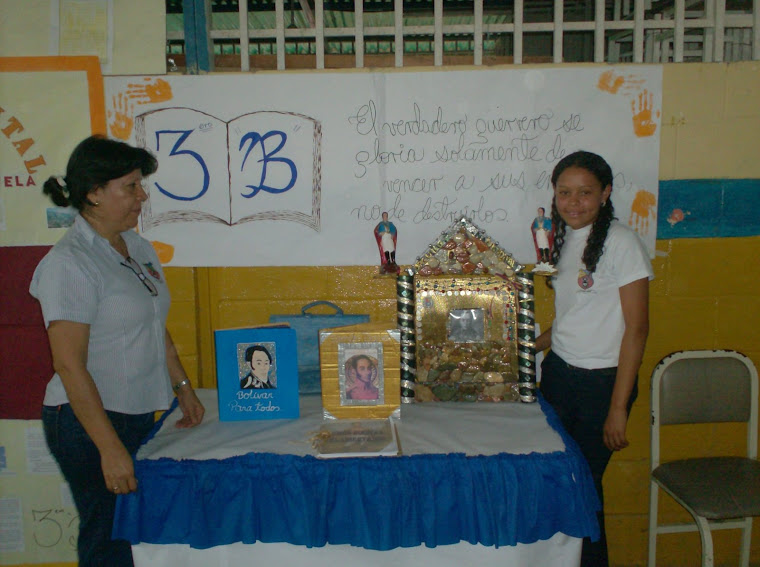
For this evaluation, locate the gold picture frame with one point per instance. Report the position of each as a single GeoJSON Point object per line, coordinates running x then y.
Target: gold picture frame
{"type": "Point", "coordinates": [371, 350]}
{"type": "Point", "coordinates": [467, 336]}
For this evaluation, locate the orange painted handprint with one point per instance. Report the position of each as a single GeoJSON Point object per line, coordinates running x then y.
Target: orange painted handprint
{"type": "Point", "coordinates": [609, 82]}
{"type": "Point", "coordinates": [121, 118]}
{"type": "Point", "coordinates": [152, 90]}
{"type": "Point", "coordinates": [618, 84]}
{"type": "Point", "coordinates": [643, 125]}
{"type": "Point", "coordinates": [644, 205]}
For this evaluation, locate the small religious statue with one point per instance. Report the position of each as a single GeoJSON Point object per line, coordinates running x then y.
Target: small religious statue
{"type": "Point", "coordinates": [543, 239]}
{"type": "Point", "coordinates": [385, 235]}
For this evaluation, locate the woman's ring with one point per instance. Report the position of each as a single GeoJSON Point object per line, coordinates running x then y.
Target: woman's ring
{"type": "Point", "coordinates": [116, 489]}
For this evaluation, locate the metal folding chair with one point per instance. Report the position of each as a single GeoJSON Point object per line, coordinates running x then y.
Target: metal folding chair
{"type": "Point", "coordinates": [720, 492]}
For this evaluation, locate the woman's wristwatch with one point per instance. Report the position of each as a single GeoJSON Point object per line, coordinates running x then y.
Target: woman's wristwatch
{"type": "Point", "coordinates": [179, 384]}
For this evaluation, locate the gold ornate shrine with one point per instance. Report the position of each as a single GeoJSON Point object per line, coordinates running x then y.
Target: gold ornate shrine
{"type": "Point", "coordinates": [467, 310]}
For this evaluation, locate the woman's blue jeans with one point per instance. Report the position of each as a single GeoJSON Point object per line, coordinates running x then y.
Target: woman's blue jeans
{"type": "Point", "coordinates": [79, 460]}
{"type": "Point", "coordinates": [581, 399]}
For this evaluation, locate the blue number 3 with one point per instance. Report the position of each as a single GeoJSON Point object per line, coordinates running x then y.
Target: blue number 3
{"type": "Point", "coordinates": [175, 151]}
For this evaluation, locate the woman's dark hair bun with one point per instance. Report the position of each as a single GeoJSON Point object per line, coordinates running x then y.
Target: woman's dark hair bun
{"type": "Point", "coordinates": [57, 193]}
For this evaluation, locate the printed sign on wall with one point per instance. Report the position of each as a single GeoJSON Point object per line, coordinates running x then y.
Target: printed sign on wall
{"type": "Point", "coordinates": [47, 105]}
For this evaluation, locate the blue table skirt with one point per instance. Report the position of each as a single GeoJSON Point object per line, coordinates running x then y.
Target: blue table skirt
{"type": "Point", "coordinates": [374, 503]}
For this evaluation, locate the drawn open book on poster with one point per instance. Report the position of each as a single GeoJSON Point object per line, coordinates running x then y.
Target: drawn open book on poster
{"type": "Point", "coordinates": [263, 165]}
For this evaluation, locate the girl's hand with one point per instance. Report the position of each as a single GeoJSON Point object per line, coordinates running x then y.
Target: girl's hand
{"type": "Point", "coordinates": [614, 429]}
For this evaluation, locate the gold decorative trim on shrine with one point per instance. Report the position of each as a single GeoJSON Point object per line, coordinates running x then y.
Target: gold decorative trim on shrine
{"type": "Point", "coordinates": [472, 333]}
{"type": "Point", "coordinates": [465, 331]}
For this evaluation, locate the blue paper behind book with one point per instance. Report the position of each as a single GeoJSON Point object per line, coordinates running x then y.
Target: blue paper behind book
{"type": "Point", "coordinates": [307, 326]}
{"type": "Point", "coordinates": [256, 373]}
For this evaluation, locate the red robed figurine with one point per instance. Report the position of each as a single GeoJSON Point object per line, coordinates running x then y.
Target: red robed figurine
{"type": "Point", "coordinates": [543, 236]}
{"type": "Point", "coordinates": [386, 235]}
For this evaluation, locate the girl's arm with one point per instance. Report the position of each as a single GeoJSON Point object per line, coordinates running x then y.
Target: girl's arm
{"type": "Point", "coordinates": [634, 299]}
{"type": "Point", "coordinates": [68, 344]}
{"type": "Point", "coordinates": [544, 340]}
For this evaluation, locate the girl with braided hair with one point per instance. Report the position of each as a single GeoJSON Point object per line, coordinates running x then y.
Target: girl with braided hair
{"type": "Point", "coordinates": [597, 338]}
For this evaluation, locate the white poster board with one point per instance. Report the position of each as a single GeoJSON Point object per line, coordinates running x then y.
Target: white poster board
{"type": "Point", "coordinates": [38, 520]}
{"type": "Point", "coordinates": [297, 169]}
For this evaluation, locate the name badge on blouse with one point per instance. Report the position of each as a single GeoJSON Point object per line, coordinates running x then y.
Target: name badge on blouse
{"type": "Point", "coordinates": [152, 271]}
{"type": "Point", "coordinates": [585, 279]}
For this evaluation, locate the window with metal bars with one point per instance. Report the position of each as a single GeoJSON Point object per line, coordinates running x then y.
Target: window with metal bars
{"type": "Point", "coordinates": [518, 30]}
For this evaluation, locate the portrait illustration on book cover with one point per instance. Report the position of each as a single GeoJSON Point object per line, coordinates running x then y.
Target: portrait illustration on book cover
{"type": "Point", "coordinates": [257, 366]}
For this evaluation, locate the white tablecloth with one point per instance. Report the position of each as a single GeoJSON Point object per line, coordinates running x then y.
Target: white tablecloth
{"type": "Point", "coordinates": [434, 428]}
{"type": "Point", "coordinates": [423, 428]}
{"type": "Point", "coordinates": [559, 551]}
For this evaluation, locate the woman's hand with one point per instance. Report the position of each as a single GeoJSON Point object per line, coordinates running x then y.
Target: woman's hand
{"type": "Point", "coordinates": [118, 470]}
{"type": "Point", "coordinates": [191, 406]}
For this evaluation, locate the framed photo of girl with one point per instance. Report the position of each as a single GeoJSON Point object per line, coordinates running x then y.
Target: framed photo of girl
{"type": "Point", "coordinates": [360, 371]}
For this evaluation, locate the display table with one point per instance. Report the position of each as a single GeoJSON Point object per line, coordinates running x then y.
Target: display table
{"type": "Point", "coordinates": [502, 481]}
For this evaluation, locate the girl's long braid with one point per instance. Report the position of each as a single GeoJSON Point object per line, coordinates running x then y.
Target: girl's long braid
{"type": "Point", "coordinates": [595, 242]}
{"type": "Point", "coordinates": [559, 234]}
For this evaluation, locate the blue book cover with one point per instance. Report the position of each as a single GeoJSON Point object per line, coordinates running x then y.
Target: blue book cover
{"type": "Point", "coordinates": [257, 373]}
